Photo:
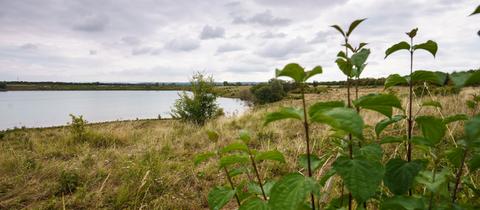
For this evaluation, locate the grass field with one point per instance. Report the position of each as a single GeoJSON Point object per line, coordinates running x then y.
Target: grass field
{"type": "Point", "coordinates": [148, 164]}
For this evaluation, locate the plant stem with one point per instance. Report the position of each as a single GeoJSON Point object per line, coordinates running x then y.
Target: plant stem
{"type": "Point", "coordinates": [231, 185]}
{"type": "Point", "coordinates": [410, 103]}
{"type": "Point", "coordinates": [350, 144]}
{"type": "Point", "coordinates": [459, 176]}
{"type": "Point", "coordinates": [307, 139]}
{"type": "Point", "coordinates": [433, 180]}
{"type": "Point", "coordinates": [257, 174]}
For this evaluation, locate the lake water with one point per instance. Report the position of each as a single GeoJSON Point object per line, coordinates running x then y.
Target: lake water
{"type": "Point", "coordinates": [52, 108]}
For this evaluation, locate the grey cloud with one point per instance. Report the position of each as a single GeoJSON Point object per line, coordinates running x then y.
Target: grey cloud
{"type": "Point", "coordinates": [92, 52]}
{"type": "Point", "coordinates": [131, 40]}
{"type": "Point", "coordinates": [91, 23]}
{"type": "Point", "coordinates": [228, 48]}
{"type": "Point", "coordinates": [283, 49]}
{"type": "Point", "coordinates": [265, 18]}
{"type": "Point", "coordinates": [28, 46]}
{"type": "Point", "coordinates": [146, 50]}
{"type": "Point", "coordinates": [321, 37]}
{"type": "Point", "coordinates": [270, 35]}
{"type": "Point", "coordinates": [186, 44]}
{"type": "Point", "coordinates": [209, 32]}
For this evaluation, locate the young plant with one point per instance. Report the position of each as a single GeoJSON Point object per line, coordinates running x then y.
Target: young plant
{"type": "Point", "coordinates": [429, 46]}
{"type": "Point", "coordinates": [299, 76]}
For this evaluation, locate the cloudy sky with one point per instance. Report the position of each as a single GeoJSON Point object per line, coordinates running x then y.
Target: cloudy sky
{"type": "Point", "coordinates": [167, 40]}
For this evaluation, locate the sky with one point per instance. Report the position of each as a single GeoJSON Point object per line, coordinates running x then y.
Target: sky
{"type": "Point", "coordinates": [169, 40]}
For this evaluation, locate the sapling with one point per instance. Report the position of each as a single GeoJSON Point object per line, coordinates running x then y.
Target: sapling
{"type": "Point", "coordinates": [429, 46]}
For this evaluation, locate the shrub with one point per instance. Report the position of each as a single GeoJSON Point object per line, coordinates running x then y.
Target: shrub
{"type": "Point", "coordinates": [77, 128]}
{"type": "Point", "coordinates": [269, 92]}
{"type": "Point", "coordinates": [3, 86]}
{"type": "Point", "coordinates": [68, 182]}
{"type": "Point", "coordinates": [200, 105]}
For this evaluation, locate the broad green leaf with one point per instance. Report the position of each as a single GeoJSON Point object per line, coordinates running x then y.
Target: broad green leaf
{"type": "Point", "coordinates": [412, 33]}
{"type": "Point", "coordinates": [291, 191]}
{"type": "Point", "coordinates": [284, 113]}
{"type": "Point", "coordinates": [212, 135]}
{"type": "Point", "coordinates": [345, 119]}
{"type": "Point", "coordinates": [341, 54]}
{"type": "Point", "coordinates": [474, 163]}
{"type": "Point", "coordinates": [245, 136]}
{"type": "Point", "coordinates": [255, 188]}
{"type": "Point", "coordinates": [315, 161]}
{"type": "Point", "coordinates": [397, 47]}
{"type": "Point", "coordinates": [237, 171]}
{"type": "Point", "coordinates": [454, 118]}
{"type": "Point", "coordinates": [219, 197]}
{"type": "Point", "coordinates": [391, 139]}
{"type": "Point", "coordinates": [270, 155]}
{"type": "Point", "coordinates": [327, 176]}
{"type": "Point", "coordinates": [267, 187]}
{"type": "Point", "coordinates": [400, 174]}
{"type": "Point", "coordinates": [455, 156]}
{"type": "Point", "coordinates": [235, 146]}
{"type": "Point", "coordinates": [433, 129]}
{"type": "Point", "coordinates": [437, 186]}
{"type": "Point", "coordinates": [472, 131]}
{"type": "Point", "coordinates": [380, 126]}
{"type": "Point", "coordinates": [432, 103]}
{"type": "Point", "coordinates": [353, 25]}
{"type": "Point", "coordinates": [477, 10]}
{"type": "Point", "coordinates": [403, 203]}
{"type": "Point", "coordinates": [394, 80]}
{"type": "Point", "coordinates": [359, 58]}
{"type": "Point", "coordinates": [338, 29]}
{"type": "Point", "coordinates": [361, 45]}
{"type": "Point", "coordinates": [313, 72]}
{"type": "Point", "coordinates": [421, 76]}
{"type": "Point", "coordinates": [203, 157]}
{"type": "Point", "coordinates": [349, 46]}
{"type": "Point", "coordinates": [370, 151]}
{"type": "Point", "coordinates": [323, 106]}
{"type": "Point", "coordinates": [233, 159]}
{"type": "Point", "coordinates": [422, 141]}
{"type": "Point", "coordinates": [292, 70]}
{"type": "Point", "coordinates": [429, 46]}
{"type": "Point", "coordinates": [361, 176]}
{"type": "Point", "coordinates": [254, 204]}
{"type": "Point", "coordinates": [345, 65]}
{"type": "Point", "coordinates": [461, 79]}
{"type": "Point", "coordinates": [382, 103]}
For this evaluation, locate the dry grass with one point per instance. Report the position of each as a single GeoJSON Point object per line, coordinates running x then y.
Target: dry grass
{"type": "Point", "coordinates": [148, 164]}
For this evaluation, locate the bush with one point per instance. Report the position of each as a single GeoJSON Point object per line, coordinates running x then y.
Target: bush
{"type": "Point", "coordinates": [200, 105]}
{"type": "Point", "coordinates": [69, 181]}
{"type": "Point", "coordinates": [269, 92]}
{"type": "Point", "coordinates": [77, 128]}
{"type": "Point", "coordinates": [3, 86]}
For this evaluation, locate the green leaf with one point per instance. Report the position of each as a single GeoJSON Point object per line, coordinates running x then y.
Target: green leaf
{"type": "Point", "coordinates": [345, 119]}
{"type": "Point", "coordinates": [237, 171]}
{"type": "Point", "coordinates": [315, 161]}
{"type": "Point", "coordinates": [353, 25]}
{"type": "Point", "coordinates": [233, 159]}
{"type": "Point", "coordinates": [212, 135]}
{"type": "Point", "coordinates": [433, 129]}
{"type": "Point", "coordinates": [361, 45]}
{"type": "Point", "coordinates": [455, 156]}
{"type": "Point", "coordinates": [359, 58]}
{"type": "Point", "coordinates": [313, 72]}
{"type": "Point", "coordinates": [290, 191]}
{"type": "Point", "coordinates": [437, 186]}
{"type": "Point", "coordinates": [245, 136]}
{"type": "Point", "coordinates": [454, 118]}
{"type": "Point", "coordinates": [403, 203]}
{"type": "Point", "coordinates": [323, 106]}
{"type": "Point", "coordinates": [219, 197]}
{"type": "Point", "coordinates": [338, 29]}
{"type": "Point", "coordinates": [477, 10]}
{"type": "Point", "coordinates": [429, 46]}
{"type": "Point", "coordinates": [254, 204]}
{"type": "Point", "coordinates": [284, 113]}
{"type": "Point", "coordinates": [292, 70]}
{"type": "Point", "coordinates": [361, 176]}
{"type": "Point", "coordinates": [391, 139]}
{"type": "Point", "coordinates": [472, 131]}
{"type": "Point", "coordinates": [474, 163]}
{"type": "Point", "coordinates": [461, 79]}
{"type": "Point", "coordinates": [380, 126]}
{"type": "Point", "coordinates": [421, 76]}
{"type": "Point", "coordinates": [203, 157]}
{"type": "Point", "coordinates": [345, 65]}
{"type": "Point", "coordinates": [382, 103]}
{"type": "Point", "coordinates": [400, 174]}
{"type": "Point", "coordinates": [341, 54]}
{"type": "Point", "coordinates": [235, 146]}
{"type": "Point", "coordinates": [432, 103]}
{"type": "Point", "coordinates": [412, 33]}
{"type": "Point", "coordinates": [397, 47]}
{"type": "Point", "coordinates": [394, 80]}
{"type": "Point", "coordinates": [370, 151]}
{"type": "Point", "coordinates": [270, 155]}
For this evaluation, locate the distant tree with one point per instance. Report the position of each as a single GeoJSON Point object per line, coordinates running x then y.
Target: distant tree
{"type": "Point", "coordinates": [268, 92]}
{"type": "Point", "coordinates": [225, 83]}
{"type": "Point", "coordinates": [199, 105]}
{"type": "Point", "coordinates": [3, 86]}
{"type": "Point", "coordinates": [315, 83]}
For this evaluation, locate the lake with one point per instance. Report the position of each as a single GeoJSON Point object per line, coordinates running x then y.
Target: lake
{"type": "Point", "coordinates": [52, 108]}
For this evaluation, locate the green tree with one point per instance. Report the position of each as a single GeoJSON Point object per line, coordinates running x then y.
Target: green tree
{"type": "Point", "coordinates": [3, 86]}
{"type": "Point", "coordinates": [268, 92]}
{"type": "Point", "coordinates": [199, 105]}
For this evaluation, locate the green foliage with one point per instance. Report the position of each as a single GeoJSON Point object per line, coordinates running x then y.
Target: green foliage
{"type": "Point", "coordinates": [380, 126]}
{"type": "Point", "coordinates": [290, 191]}
{"type": "Point", "coordinates": [269, 92]}
{"type": "Point", "coordinates": [433, 129]}
{"type": "Point", "coordinates": [284, 113]}
{"type": "Point", "coordinates": [316, 162]}
{"type": "Point", "coordinates": [397, 47]}
{"type": "Point", "coordinates": [78, 128]}
{"type": "Point", "coordinates": [403, 203]}
{"type": "Point", "coordinates": [68, 183]}
{"type": "Point", "coordinates": [400, 174]}
{"type": "Point", "coordinates": [477, 11]}
{"type": "Point", "coordinates": [200, 105]}
{"type": "Point", "coordinates": [254, 204]}
{"type": "Point", "coordinates": [345, 119]}
{"type": "Point", "coordinates": [270, 155]}
{"type": "Point", "coordinates": [3, 86]}
{"type": "Point", "coordinates": [382, 103]}
{"type": "Point", "coordinates": [219, 197]}
{"type": "Point", "coordinates": [429, 46]}
{"type": "Point", "coordinates": [297, 72]}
